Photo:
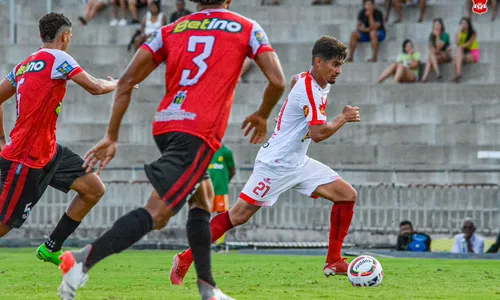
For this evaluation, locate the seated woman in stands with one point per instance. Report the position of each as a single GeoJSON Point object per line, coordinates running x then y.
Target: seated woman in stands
{"type": "Point", "coordinates": [406, 69]}
{"type": "Point", "coordinates": [439, 49]}
{"type": "Point", "coordinates": [153, 20]}
{"type": "Point", "coordinates": [467, 47]}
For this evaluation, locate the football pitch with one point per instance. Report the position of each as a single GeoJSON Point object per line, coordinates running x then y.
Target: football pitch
{"type": "Point", "coordinates": [144, 275]}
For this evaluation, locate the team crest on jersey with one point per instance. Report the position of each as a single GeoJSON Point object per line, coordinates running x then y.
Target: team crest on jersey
{"type": "Point", "coordinates": [32, 66]}
{"type": "Point", "coordinates": [58, 109]}
{"type": "Point", "coordinates": [306, 110]}
{"type": "Point", "coordinates": [220, 158]}
{"type": "Point", "coordinates": [308, 136]}
{"type": "Point", "coordinates": [208, 24]}
{"type": "Point", "coordinates": [261, 37]}
{"type": "Point", "coordinates": [174, 111]}
{"type": "Point", "coordinates": [322, 108]}
{"type": "Point", "coordinates": [65, 68]}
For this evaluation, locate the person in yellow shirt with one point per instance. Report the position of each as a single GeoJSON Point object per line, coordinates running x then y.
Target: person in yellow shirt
{"type": "Point", "coordinates": [467, 47]}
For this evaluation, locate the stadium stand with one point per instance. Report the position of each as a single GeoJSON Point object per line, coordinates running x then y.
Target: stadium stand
{"type": "Point", "coordinates": [409, 135]}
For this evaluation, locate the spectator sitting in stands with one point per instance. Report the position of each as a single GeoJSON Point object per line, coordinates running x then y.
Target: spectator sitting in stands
{"type": "Point", "coordinates": [468, 241]}
{"type": "Point", "coordinates": [123, 7]}
{"type": "Point", "coordinates": [494, 4]}
{"type": "Point", "coordinates": [321, 2]}
{"type": "Point", "coordinates": [406, 69]}
{"type": "Point", "coordinates": [92, 8]}
{"type": "Point", "coordinates": [409, 240]}
{"type": "Point", "coordinates": [153, 20]}
{"type": "Point", "coordinates": [398, 6]}
{"type": "Point", "coordinates": [135, 5]}
{"type": "Point", "coordinates": [496, 246]}
{"type": "Point", "coordinates": [267, 2]}
{"type": "Point", "coordinates": [467, 47]}
{"type": "Point", "coordinates": [180, 12]}
{"type": "Point", "coordinates": [439, 51]}
{"type": "Point", "coordinates": [370, 27]}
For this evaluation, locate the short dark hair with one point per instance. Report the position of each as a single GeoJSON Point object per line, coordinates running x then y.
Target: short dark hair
{"type": "Point", "coordinates": [364, 1]}
{"type": "Point", "coordinates": [328, 47]}
{"type": "Point", "coordinates": [209, 2]}
{"type": "Point", "coordinates": [50, 24]}
{"type": "Point", "coordinates": [406, 222]}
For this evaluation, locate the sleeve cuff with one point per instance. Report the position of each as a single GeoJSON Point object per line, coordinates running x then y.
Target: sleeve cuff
{"type": "Point", "coordinates": [74, 72]}
{"type": "Point", "coordinates": [317, 122]}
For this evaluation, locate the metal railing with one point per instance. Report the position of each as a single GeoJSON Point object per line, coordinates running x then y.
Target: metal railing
{"type": "Point", "coordinates": [434, 209]}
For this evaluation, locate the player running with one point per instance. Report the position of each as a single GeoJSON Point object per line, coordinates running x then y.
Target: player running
{"type": "Point", "coordinates": [282, 163]}
{"type": "Point", "coordinates": [204, 53]}
{"type": "Point", "coordinates": [32, 160]}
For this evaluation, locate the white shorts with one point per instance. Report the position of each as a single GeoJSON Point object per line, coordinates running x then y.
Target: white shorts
{"type": "Point", "coordinates": [266, 183]}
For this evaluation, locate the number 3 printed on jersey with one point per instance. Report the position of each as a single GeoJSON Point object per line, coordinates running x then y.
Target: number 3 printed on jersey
{"type": "Point", "coordinates": [261, 186]}
{"type": "Point", "coordinates": [208, 45]}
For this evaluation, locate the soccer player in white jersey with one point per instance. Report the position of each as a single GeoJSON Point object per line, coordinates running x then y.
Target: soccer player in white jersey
{"type": "Point", "coordinates": [282, 163]}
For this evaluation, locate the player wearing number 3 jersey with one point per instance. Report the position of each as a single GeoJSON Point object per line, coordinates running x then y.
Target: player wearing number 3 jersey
{"type": "Point", "coordinates": [282, 163]}
{"type": "Point", "coordinates": [204, 54]}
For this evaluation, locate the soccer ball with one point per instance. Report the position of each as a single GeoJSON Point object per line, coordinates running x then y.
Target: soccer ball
{"type": "Point", "coordinates": [365, 270]}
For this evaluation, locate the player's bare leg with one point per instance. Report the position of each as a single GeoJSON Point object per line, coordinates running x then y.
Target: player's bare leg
{"type": "Point", "coordinates": [4, 229]}
{"type": "Point", "coordinates": [200, 239]}
{"type": "Point", "coordinates": [239, 214]}
{"type": "Point", "coordinates": [344, 197]}
{"type": "Point", "coordinates": [125, 232]}
{"type": "Point", "coordinates": [90, 190]}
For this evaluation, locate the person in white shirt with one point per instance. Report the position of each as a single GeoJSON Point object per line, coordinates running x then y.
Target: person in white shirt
{"type": "Point", "coordinates": [282, 163]}
{"type": "Point", "coordinates": [468, 241]}
{"type": "Point", "coordinates": [152, 21]}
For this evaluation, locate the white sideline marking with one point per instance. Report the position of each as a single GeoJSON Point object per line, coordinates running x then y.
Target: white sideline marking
{"type": "Point", "coordinates": [488, 154]}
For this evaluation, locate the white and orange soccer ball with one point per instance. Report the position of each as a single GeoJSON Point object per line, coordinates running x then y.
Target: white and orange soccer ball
{"type": "Point", "coordinates": [366, 271]}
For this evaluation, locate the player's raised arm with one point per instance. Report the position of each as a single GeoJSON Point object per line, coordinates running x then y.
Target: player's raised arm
{"type": "Point", "coordinates": [93, 85]}
{"type": "Point", "coordinates": [140, 67]}
{"type": "Point", "coordinates": [323, 131]}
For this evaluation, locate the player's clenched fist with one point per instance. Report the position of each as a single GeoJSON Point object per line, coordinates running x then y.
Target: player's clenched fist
{"type": "Point", "coordinates": [351, 113]}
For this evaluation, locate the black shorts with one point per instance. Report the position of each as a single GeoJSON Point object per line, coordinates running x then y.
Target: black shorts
{"type": "Point", "coordinates": [183, 164]}
{"type": "Point", "coordinates": [23, 186]}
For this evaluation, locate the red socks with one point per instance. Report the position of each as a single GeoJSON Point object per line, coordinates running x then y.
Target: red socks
{"type": "Point", "coordinates": [340, 220]}
{"type": "Point", "coordinates": [219, 225]}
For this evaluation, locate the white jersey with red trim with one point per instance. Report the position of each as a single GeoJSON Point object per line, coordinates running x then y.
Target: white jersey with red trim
{"type": "Point", "coordinates": [304, 107]}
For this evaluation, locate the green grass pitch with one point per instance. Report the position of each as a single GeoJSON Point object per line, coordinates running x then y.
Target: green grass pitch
{"type": "Point", "coordinates": [144, 275]}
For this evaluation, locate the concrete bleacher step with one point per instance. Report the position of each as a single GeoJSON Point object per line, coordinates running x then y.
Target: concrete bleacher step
{"type": "Point", "coordinates": [119, 55]}
{"type": "Point", "coordinates": [278, 32]}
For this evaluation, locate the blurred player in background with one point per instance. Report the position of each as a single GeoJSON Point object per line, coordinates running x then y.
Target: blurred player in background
{"type": "Point", "coordinates": [282, 163]}
{"type": "Point", "coordinates": [32, 160]}
{"type": "Point", "coordinates": [221, 171]}
{"type": "Point", "coordinates": [204, 53]}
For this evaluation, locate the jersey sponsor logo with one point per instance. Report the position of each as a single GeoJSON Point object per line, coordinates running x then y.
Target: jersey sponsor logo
{"type": "Point", "coordinates": [208, 24]}
{"type": "Point", "coordinates": [151, 37]}
{"type": "Point", "coordinates": [11, 78]}
{"type": "Point", "coordinates": [215, 166]}
{"type": "Point", "coordinates": [33, 66]}
{"type": "Point", "coordinates": [261, 37]}
{"type": "Point", "coordinates": [308, 136]}
{"type": "Point", "coordinates": [65, 68]}
{"type": "Point", "coordinates": [306, 110]}
{"type": "Point", "coordinates": [58, 109]}
{"type": "Point", "coordinates": [174, 111]}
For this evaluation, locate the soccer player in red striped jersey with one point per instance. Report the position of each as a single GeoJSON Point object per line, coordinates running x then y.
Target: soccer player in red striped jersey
{"type": "Point", "coordinates": [204, 53]}
{"type": "Point", "coordinates": [31, 159]}
{"type": "Point", "coordinates": [282, 163]}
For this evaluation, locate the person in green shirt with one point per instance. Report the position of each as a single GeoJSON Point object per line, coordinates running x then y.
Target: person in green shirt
{"type": "Point", "coordinates": [406, 69]}
{"type": "Point", "coordinates": [221, 170]}
{"type": "Point", "coordinates": [439, 49]}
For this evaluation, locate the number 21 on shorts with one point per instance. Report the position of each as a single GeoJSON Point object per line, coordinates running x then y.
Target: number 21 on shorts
{"type": "Point", "coordinates": [261, 186]}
